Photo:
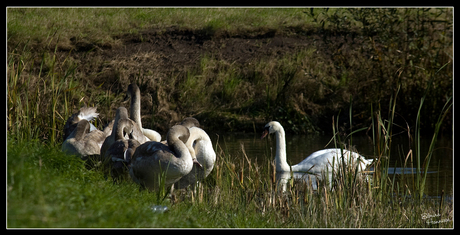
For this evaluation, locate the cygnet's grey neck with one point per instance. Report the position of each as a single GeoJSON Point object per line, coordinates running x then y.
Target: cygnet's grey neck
{"type": "Point", "coordinates": [135, 109]}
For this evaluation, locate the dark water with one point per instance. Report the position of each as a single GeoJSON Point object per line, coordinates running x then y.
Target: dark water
{"type": "Point", "coordinates": [298, 147]}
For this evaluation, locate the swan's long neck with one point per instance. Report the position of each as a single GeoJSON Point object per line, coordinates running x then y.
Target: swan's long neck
{"type": "Point", "coordinates": [197, 135]}
{"type": "Point", "coordinates": [122, 113]}
{"type": "Point", "coordinates": [184, 158]}
{"type": "Point", "coordinates": [203, 146]}
{"type": "Point", "coordinates": [280, 158]}
{"type": "Point", "coordinates": [122, 128]}
{"type": "Point", "coordinates": [135, 110]}
{"type": "Point", "coordinates": [194, 136]}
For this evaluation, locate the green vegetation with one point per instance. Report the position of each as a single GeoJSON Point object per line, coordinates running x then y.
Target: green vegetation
{"type": "Point", "coordinates": [355, 69]}
{"type": "Point", "coordinates": [47, 188]}
{"type": "Point", "coordinates": [99, 25]}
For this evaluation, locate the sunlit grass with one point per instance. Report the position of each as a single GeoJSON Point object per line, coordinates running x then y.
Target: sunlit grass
{"type": "Point", "coordinates": [47, 188]}
{"type": "Point", "coordinates": [101, 24]}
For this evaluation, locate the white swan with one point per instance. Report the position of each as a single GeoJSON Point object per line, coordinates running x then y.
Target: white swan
{"type": "Point", "coordinates": [317, 162]}
{"type": "Point", "coordinates": [153, 163]}
{"type": "Point", "coordinates": [82, 142]}
{"type": "Point", "coordinates": [120, 152]}
{"type": "Point", "coordinates": [134, 93]}
{"type": "Point", "coordinates": [201, 145]}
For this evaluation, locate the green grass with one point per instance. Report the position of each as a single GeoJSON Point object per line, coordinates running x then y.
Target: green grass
{"type": "Point", "coordinates": [46, 188]}
{"type": "Point", "coordinates": [101, 24]}
{"type": "Point", "coordinates": [49, 189]}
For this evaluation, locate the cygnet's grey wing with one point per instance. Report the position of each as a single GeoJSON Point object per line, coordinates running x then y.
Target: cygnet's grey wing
{"type": "Point", "coordinates": [148, 160]}
{"type": "Point", "coordinates": [96, 137]}
{"type": "Point", "coordinates": [115, 151]}
{"type": "Point", "coordinates": [116, 156]}
{"type": "Point", "coordinates": [108, 129]}
{"type": "Point", "coordinates": [153, 151]}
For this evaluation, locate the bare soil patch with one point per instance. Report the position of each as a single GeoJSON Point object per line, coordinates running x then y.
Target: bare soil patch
{"type": "Point", "coordinates": [153, 57]}
{"type": "Point", "coordinates": [345, 65]}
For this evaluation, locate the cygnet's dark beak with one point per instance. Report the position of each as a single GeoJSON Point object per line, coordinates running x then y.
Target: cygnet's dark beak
{"type": "Point", "coordinates": [127, 97]}
{"type": "Point", "coordinates": [265, 133]}
{"type": "Point", "coordinates": [195, 162]}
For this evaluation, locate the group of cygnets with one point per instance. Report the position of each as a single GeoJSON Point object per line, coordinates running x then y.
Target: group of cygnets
{"type": "Point", "coordinates": [125, 147]}
{"type": "Point", "coordinates": [184, 158]}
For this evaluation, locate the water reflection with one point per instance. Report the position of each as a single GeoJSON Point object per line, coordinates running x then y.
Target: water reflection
{"type": "Point", "coordinates": [298, 147]}
{"type": "Point", "coordinates": [310, 180]}
{"type": "Point", "coordinates": [282, 179]}
{"type": "Point", "coordinates": [402, 170]}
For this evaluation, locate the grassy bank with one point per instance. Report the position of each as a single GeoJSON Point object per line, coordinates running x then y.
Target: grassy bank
{"type": "Point", "coordinates": [100, 25]}
{"type": "Point", "coordinates": [46, 188]}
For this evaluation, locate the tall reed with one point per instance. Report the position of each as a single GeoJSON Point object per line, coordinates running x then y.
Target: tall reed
{"type": "Point", "coordinates": [422, 170]}
{"type": "Point", "coordinates": [41, 93]}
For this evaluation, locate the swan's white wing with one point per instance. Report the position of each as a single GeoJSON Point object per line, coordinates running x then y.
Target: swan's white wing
{"type": "Point", "coordinates": [151, 135]}
{"type": "Point", "coordinates": [325, 158]}
{"type": "Point", "coordinates": [319, 160]}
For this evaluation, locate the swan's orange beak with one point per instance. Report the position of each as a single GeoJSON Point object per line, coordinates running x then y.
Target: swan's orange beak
{"type": "Point", "coordinates": [265, 133]}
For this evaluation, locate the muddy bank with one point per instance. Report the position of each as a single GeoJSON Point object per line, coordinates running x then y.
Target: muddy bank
{"type": "Point", "coordinates": [154, 57]}
{"type": "Point", "coordinates": [239, 82]}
